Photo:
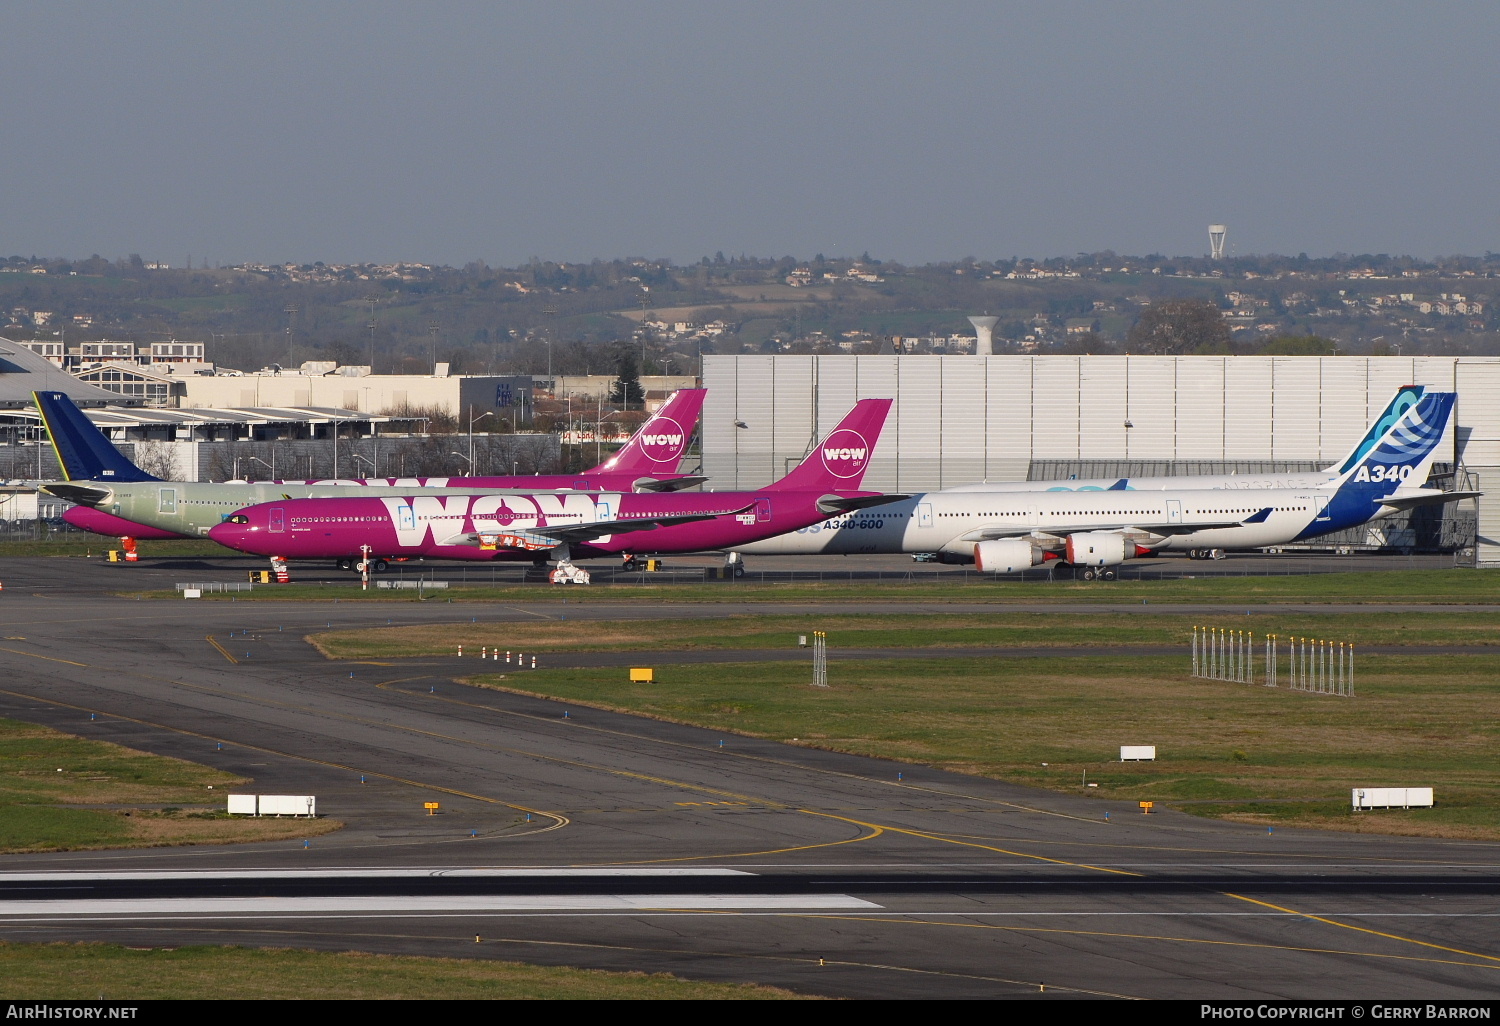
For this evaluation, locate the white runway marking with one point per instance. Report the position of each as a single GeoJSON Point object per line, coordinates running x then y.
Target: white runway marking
{"type": "Point", "coordinates": [169, 908]}
{"type": "Point", "coordinates": [325, 874]}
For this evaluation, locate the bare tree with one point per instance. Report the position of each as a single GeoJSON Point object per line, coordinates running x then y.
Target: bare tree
{"type": "Point", "coordinates": [1180, 326]}
{"type": "Point", "coordinates": [159, 459]}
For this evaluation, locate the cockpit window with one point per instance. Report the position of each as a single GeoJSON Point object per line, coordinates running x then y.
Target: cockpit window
{"type": "Point", "coordinates": [239, 518]}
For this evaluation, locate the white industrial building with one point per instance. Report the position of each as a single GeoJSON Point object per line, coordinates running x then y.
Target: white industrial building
{"type": "Point", "coordinates": [509, 396]}
{"type": "Point", "coordinates": [963, 419]}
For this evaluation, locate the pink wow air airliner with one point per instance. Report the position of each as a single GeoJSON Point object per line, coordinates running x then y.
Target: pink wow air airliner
{"type": "Point", "coordinates": [561, 527]}
{"type": "Point", "coordinates": [117, 498]}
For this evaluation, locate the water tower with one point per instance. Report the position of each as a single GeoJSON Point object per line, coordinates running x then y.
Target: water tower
{"type": "Point", "coordinates": [1216, 233]}
{"type": "Point", "coordinates": [984, 332]}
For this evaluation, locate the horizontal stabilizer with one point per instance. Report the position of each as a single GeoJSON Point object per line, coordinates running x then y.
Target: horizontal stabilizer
{"type": "Point", "coordinates": [676, 484]}
{"type": "Point", "coordinates": [849, 503]}
{"type": "Point", "coordinates": [79, 492]}
{"type": "Point", "coordinates": [1425, 498]}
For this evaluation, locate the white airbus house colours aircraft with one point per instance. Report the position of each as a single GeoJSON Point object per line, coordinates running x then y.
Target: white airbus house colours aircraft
{"type": "Point", "coordinates": [1006, 532]}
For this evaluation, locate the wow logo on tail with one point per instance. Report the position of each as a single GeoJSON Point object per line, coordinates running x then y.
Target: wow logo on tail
{"type": "Point", "coordinates": [845, 453]}
{"type": "Point", "coordinates": [658, 447]}
{"type": "Point", "coordinates": [663, 441]}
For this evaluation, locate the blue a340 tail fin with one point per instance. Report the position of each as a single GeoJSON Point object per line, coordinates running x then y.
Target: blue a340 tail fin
{"type": "Point", "coordinates": [82, 450]}
{"type": "Point", "coordinates": [1398, 460]}
{"type": "Point", "coordinates": [1405, 451]}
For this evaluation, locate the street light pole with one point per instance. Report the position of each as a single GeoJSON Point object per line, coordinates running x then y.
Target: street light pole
{"type": "Point", "coordinates": [472, 419]}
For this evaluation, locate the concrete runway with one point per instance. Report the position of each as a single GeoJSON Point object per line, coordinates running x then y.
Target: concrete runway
{"type": "Point", "coordinates": [573, 836]}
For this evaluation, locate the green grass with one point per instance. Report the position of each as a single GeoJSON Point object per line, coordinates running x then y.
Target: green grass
{"type": "Point", "coordinates": [45, 775]}
{"type": "Point", "coordinates": [999, 629]}
{"type": "Point", "coordinates": [83, 972]}
{"type": "Point", "coordinates": [1416, 587]}
{"type": "Point", "coordinates": [1419, 719]}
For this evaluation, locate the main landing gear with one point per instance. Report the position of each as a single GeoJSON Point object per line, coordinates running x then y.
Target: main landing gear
{"type": "Point", "coordinates": [734, 565]}
{"type": "Point", "coordinates": [1082, 573]}
{"type": "Point", "coordinates": [563, 570]}
{"type": "Point", "coordinates": [380, 566]}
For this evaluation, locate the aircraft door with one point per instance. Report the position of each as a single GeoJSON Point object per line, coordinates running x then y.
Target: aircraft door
{"type": "Point", "coordinates": [580, 485]}
{"type": "Point", "coordinates": [276, 522]}
{"type": "Point", "coordinates": [924, 514]}
{"type": "Point", "coordinates": [1174, 511]}
{"type": "Point", "coordinates": [602, 511]}
{"type": "Point", "coordinates": [405, 518]}
{"type": "Point", "coordinates": [1321, 503]}
{"type": "Point", "coordinates": [762, 511]}
{"type": "Point", "coordinates": [167, 502]}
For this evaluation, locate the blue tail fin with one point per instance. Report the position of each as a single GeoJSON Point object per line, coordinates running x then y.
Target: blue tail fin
{"type": "Point", "coordinates": [1407, 396]}
{"type": "Point", "coordinates": [1403, 454]}
{"type": "Point", "coordinates": [1401, 457]}
{"type": "Point", "coordinates": [82, 450]}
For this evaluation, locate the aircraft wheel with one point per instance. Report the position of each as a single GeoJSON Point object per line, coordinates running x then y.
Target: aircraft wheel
{"type": "Point", "coordinates": [1107, 575]}
{"type": "Point", "coordinates": [1087, 574]}
{"type": "Point", "coordinates": [346, 563]}
{"type": "Point", "coordinates": [739, 571]}
{"type": "Point", "coordinates": [380, 566]}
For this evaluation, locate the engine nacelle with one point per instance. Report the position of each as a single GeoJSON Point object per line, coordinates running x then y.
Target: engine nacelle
{"type": "Point", "coordinates": [1006, 555]}
{"type": "Point", "coordinates": [1099, 548]}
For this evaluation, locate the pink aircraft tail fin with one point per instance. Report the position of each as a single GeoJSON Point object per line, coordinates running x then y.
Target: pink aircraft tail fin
{"type": "Point", "coordinates": [839, 462]}
{"type": "Point", "coordinates": [658, 447]}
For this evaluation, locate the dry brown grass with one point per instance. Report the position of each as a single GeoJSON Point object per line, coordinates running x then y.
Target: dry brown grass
{"type": "Point", "coordinates": [155, 829]}
{"type": "Point", "coordinates": [88, 971]}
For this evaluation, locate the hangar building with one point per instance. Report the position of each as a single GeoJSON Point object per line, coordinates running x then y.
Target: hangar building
{"type": "Point", "coordinates": [962, 419]}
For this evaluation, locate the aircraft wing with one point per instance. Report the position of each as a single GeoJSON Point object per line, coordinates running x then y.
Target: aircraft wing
{"type": "Point", "coordinates": [1426, 497]}
{"type": "Point", "coordinates": [547, 538]}
{"type": "Point", "coordinates": [1158, 529]}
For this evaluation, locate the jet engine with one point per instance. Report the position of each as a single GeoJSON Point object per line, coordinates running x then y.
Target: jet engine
{"type": "Point", "coordinates": [1100, 548]}
{"type": "Point", "coordinates": [1006, 555]}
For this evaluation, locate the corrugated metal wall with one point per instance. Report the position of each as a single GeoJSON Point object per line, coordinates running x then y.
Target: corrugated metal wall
{"type": "Point", "coordinates": [962, 419]}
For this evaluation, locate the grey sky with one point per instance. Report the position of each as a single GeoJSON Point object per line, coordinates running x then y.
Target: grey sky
{"type": "Point", "coordinates": [498, 131]}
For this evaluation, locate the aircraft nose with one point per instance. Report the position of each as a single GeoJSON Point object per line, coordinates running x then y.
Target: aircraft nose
{"type": "Point", "coordinates": [226, 533]}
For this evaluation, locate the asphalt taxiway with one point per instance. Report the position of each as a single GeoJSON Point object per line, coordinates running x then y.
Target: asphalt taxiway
{"type": "Point", "coordinates": [576, 836]}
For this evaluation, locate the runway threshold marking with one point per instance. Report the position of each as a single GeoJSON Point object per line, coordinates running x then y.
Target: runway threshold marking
{"type": "Point", "coordinates": [975, 844]}
{"type": "Point", "coordinates": [561, 821]}
{"type": "Point", "coordinates": [1364, 929]}
{"type": "Point", "coordinates": [222, 651]}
